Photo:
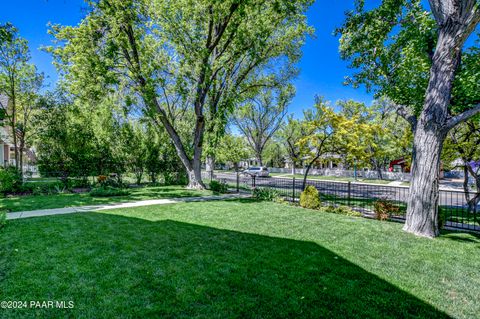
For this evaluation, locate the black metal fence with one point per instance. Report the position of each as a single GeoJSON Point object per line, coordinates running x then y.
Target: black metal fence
{"type": "Point", "coordinates": [453, 205]}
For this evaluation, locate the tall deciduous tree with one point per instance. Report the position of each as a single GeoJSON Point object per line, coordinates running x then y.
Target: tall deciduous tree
{"type": "Point", "coordinates": [328, 132]}
{"type": "Point", "coordinates": [195, 58]}
{"type": "Point", "coordinates": [413, 57]}
{"type": "Point", "coordinates": [261, 117]}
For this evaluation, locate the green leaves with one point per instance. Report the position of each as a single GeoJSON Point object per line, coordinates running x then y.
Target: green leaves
{"type": "Point", "coordinates": [466, 88]}
{"type": "Point", "coordinates": [390, 48]}
{"type": "Point", "coordinates": [191, 62]}
{"type": "Point", "coordinates": [232, 149]}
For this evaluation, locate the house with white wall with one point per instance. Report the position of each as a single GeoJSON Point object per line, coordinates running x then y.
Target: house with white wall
{"type": "Point", "coordinates": [7, 147]}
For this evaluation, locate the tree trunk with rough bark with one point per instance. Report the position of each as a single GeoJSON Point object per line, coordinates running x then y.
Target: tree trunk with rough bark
{"type": "Point", "coordinates": [195, 175]}
{"type": "Point", "coordinates": [259, 157]}
{"type": "Point", "coordinates": [430, 132]}
{"type": "Point", "coordinates": [422, 204]}
{"type": "Point", "coordinates": [455, 24]}
{"type": "Point", "coordinates": [192, 166]}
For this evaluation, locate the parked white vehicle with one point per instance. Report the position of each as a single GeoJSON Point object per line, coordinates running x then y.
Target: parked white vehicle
{"type": "Point", "coordinates": [257, 171]}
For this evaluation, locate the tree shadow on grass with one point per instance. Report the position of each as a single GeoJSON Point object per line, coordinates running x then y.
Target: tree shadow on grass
{"type": "Point", "coordinates": [465, 237]}
{"type": "Point", "coordinates": [115, 266]}
{"type": "Point", "coordinates": [34, 202]}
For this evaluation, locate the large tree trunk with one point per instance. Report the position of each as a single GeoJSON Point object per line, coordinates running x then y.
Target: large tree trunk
{"type": "Point", "coordinates": [193, 167]}
{"type": "Point", "coordinates": [195, 180]}
{"type": "Point", "coordinates": [259, 157]}
{"type": "Point", "coordinates": [422, 204]}
{"type": "Point", "coordinates": [433, 124]}
{"type": "Point", "coordinates": [195, 176]}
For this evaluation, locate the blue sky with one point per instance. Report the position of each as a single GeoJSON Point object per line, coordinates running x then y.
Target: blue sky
{"type": "Point", "coordinates": [322, 70]}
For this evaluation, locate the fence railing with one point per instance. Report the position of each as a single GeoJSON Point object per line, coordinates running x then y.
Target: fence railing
{"type": "Point", "coordinates": [394, 176]}
{"type": "Point", "coordinates": [453, 205]}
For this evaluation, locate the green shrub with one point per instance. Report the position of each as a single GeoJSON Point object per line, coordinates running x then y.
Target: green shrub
{"type": "Point", "coordinates": [10, 180]}
{"type": "Point", "coordinates": [310, 198]}
{"type": "Point", "coordinates": [43, 188]}
{"type": "Point", "coordinates": [109, 181]}
{"type": "Point", "coordinates": [175, 178]}
{"type": "Point", "coordinates": [384, 209]}
{"type": "Point", "coordinates": [79, 183]}
{"type": "Point", "coordinates": [442, 218]}
{"type": "Point", "coordinates": [3, 219]}
{"type": "Point", "coordinates": [266, 194]}
{"type": "Point", "coordinates": [108, 191]}
{"type": "Point", "coordinates": [343, 210]}
{"type": "Point", "coordinates": [218, 187]}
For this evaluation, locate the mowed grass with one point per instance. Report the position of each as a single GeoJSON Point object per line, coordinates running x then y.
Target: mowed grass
{"type": "Point", "coordinates": [235, 259]}
{"type": "Point", "coordinates": [33, 202]}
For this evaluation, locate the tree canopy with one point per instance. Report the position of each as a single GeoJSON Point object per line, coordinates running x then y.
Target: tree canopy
{"type": "Point", "coordinates": [414, 57]}
{"type": "Point", "coordinates": [194, 58]}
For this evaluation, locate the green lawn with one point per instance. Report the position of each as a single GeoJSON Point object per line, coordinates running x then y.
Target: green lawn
{"type": "Point", "coordinates": [33, 202]}
{"type": "Point", "coordinates": [235, 259]}
{"type": "Point", "coordinates": [332, 178]}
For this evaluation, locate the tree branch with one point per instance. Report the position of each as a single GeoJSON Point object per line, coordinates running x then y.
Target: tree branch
{"type": "Point", "coordinates": [404, 112]}
{"type": "Point", "coordinates": [462, 117]}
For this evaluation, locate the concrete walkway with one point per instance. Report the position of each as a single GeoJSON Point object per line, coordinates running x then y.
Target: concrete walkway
{"type": "Point", "coordinates": [79, 209]}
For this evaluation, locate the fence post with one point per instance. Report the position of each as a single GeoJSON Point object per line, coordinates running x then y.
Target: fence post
{"type": "Point", "coordinates": [293, 190]}
{"type": "Point", "coordinates": [349, 192]}
{"type": "Point", "coordinates": [253, 180]}
{"type": "Point", "coordinates": [238, 182]}
{"type": "Point", "coordinates": [211, 175]}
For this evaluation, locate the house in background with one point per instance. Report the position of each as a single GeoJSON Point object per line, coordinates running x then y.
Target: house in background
{"type": "Point", "coordinates": [5, 143]}
{"type": "Point", "coordinates": [7, 147]}
{"type": "Point", "coordinates": [399, 165]}
{"type": "Point", "coordinates": [7, 151]}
